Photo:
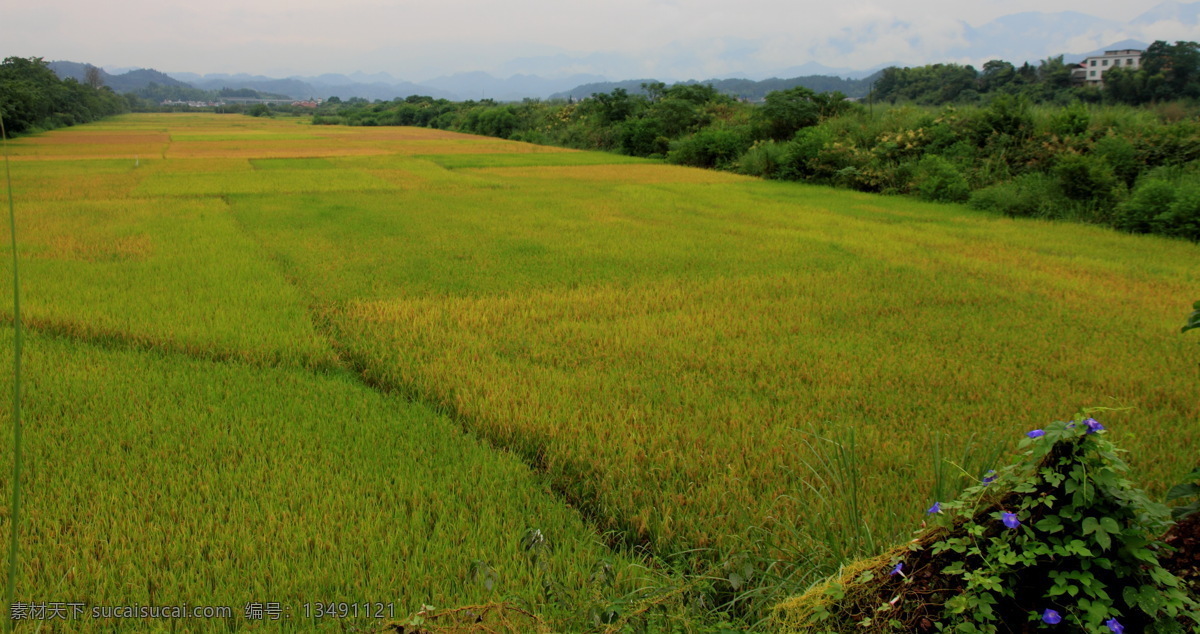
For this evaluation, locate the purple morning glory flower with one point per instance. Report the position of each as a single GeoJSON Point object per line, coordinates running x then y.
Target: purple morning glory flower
{"type": "Point", "coordinates": [897, 570]}
{"type": "Point", "coordinates": [1093, 425]}
{"type": "Point", "coordinates": [989, 478]}
{"type": "Point", "coordinates": [1050, 617]}
{"type": "Point", "coordinates": [1037, 433]}
{"type": "Point", "coordinates": [1115, 626]}
{"type": "Point", "coordinates": [936, 508]}
{"type": "Point", "coordinates": [1010, 520]}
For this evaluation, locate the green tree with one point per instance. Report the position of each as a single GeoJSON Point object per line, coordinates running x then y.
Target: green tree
{"type": "Point", "coordinates": [1179, 66]}
{"type": "Point", "coordinates": [996, 75]}
{"type": "Point", "coordinates": [1054, 73]}
{"type": "Point", "coordinates": [33, 97]}
{"type": "Point", "coordinates": [785, 112]}
{"type": "Point", "coordinates": [614, 107]}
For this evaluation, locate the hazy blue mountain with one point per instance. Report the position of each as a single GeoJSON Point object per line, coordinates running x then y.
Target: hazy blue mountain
{"type": "Point", "coordinates": [1030, 35]}
{"type": "Point", "coordinates": [480, 85]}
{"type": "Point", "coordinates": [814, 69]}
{"type": "Point", "coordinates": [1188, 14]}
{"type": "Point", "coordinates": [632, 86]}
{"type": "Point", "coordinates": [320, 86]}
{"type": "Point", "coordinates": [385, 92]}
{"type": "Point", "coordinates": [293, 88]}
{"type": "Point", "coordinates": [564, 64]}
{"type": "Point", "coordinates": [130, 81]}
{"type": "Point", "coordinates": [73, 70]}
{"type": "Point", "coordinates": [740, 88]}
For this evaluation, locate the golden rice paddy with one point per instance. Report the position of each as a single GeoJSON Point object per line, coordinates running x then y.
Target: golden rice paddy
{"type": "Point", "coordinates": [274, 361]}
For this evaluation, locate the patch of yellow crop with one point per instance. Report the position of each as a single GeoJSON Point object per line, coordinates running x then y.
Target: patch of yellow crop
{"type": "Point", "coordinates": [175, 273]}
{"type": "Point", "coordinates": [93, 231]}
{"type": "Point", "coordinates": [70, 247]}
{"type": "Point", "coordinates": [459, 145]}
{"type": "Point", "coordinates": [90, 137]}
{"type": "Point", "coordinates": [687, 402]}
{"type": "Point", "coordinates": [217, 165]}
{"type": "Point", "coordinates": [291, 148]}
{"type": "Point", "coordinates": [256, 182]}
{"type": "Point", "coordinates": [390, 134]}
{"type": "Point", "coordinates": [73, 180]}
{"type": "Point", "coordinates": [75, 151]}
{"type": "Point", "coordinates": [623, 174]}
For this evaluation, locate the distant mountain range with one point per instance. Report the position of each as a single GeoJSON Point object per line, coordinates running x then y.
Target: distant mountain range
{"type": "Point", "coordinates": [128, 81]}
{"type": "Point", "coordinates": [740, 88]}
{"type": "Point", "coordinates": [1020, 37]}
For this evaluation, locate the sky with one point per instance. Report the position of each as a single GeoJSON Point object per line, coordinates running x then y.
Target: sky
{"type": "Point", "coordinates": [620, 39]}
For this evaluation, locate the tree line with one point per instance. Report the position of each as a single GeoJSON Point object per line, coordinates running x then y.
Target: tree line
{"type": "Point", "coordinates": [1166, 72]}
{"type": "Point", "coordinates": [1022, 141]}
{"type": "Point", "coordinates": [33, 98]}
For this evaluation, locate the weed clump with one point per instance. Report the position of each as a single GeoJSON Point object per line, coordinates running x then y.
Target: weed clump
{"type": "Point", "coordinates": [1060, 541]}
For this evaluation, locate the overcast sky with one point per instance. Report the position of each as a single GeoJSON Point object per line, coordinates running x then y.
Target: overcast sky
{"type": "Point", "coordinates": [416, 40]}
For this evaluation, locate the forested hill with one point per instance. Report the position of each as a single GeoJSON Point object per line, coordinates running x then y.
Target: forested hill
{"type": "Point", "coordinates": [131, 81]}
{"type": "Point", "coordinates": [32, 97]}
{"type": "Point", "coordinates": [738, 88]}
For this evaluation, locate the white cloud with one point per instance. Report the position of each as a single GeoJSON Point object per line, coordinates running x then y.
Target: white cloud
{"type": "Point", "coordinates": [1172, 31]}
{"type": "Point", "coordinates": [620, 38]}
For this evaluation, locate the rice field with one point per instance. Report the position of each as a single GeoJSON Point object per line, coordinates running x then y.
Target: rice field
{"type": "Point", "coordinates": [279, 362]}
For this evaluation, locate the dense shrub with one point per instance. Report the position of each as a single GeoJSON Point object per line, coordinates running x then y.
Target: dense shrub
{"type": "Point", "coordinates": [1033, 195]}
{"type": "Point", "coordinates": [1004, 122]}
{"type": "Point", "coordinates": [1120, 154]}
{"type": "Point", "coordinates": [1148, 200]}
{"type": "Point", "coordinates": [939, 180]}
{"type": "Point", "coordinates": [1181, 218]}
{"type": "Point", "coordinates": [803, 153]}
{"type": "Point", "coordinates": [714, 148]}
{"type": "Point", "coordinates": [643, 137]}
{"type": "Point", "coordinates": [1086, 178]}
{"type": "Point", "coordinates": [498, 122]}
{"type": "Point", "coordinates": [764, 159]}
{"type": "Point", "coordinates": [1070, 121]}
{"type": "Point", "coordinates": [1172, 144]}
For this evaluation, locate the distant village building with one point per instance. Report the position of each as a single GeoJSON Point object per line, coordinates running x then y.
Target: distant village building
{"type": "Point", "coordinates": [1090, 71]}
{"type": "Point", "coordinates": [192, 104]}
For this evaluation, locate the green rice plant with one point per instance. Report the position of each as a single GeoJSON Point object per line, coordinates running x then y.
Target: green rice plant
{"type": "Point", "coordinates": [162, 479]}
{"type": "Point", "coordinates": [162, 272]}
{"type": "Point", "coordinates": [531, 159]}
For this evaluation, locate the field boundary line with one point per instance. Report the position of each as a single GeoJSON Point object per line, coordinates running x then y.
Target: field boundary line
{"type": "Point", "coordinates": [319, 313]}
{"type": "Point", "coordinates": [118, 341]}
{"type": "Point", "coordinates": [612, 530]}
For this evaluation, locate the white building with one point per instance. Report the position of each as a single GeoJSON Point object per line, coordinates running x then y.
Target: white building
{"type": "Point", "coordinates": [1091, 71]}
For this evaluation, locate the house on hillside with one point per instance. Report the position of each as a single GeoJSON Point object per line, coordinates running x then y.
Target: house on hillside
{"type": "Point", "coordinates": [1090, 71]}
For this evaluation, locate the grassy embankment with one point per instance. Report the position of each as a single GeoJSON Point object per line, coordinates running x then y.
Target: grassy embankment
{"type": "Point", "coordinates": [670, 347]}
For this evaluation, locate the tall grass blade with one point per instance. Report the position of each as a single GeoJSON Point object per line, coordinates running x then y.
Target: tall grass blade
{"type": "Point", "coordinates": [15, 514]}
